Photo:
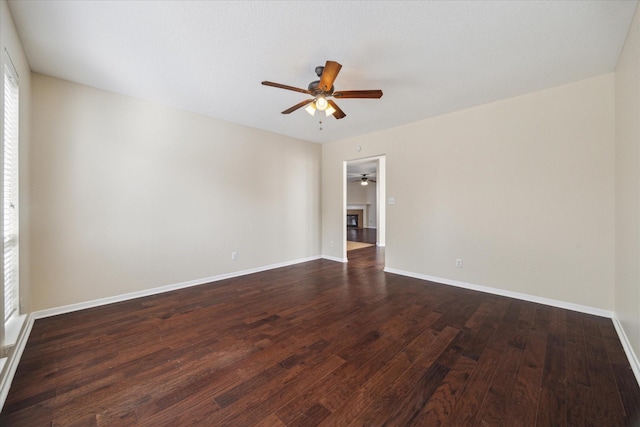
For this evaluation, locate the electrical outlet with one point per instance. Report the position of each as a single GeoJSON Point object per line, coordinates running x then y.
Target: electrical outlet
{"type": "Point", "coordinates": [234, 255]}
{"type": "Point", "coordinates": [459, 262]}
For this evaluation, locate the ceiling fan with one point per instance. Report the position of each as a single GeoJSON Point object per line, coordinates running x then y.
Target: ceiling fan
{"type": "Point", "coordinates": [323, 89]}
{"type": "Point", "coordinates": [364, 179]}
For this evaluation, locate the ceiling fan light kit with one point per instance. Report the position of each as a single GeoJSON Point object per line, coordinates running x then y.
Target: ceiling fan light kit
{"type": "Point", "coordinates": [322, 89]}
{"type": "Point", "coordinates": [321, 103]}
{"type": "Point", "coordinates": [364, 179]}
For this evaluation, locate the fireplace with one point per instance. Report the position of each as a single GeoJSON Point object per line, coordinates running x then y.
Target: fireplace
{"type": "Point", "coordinates": [355, 218]}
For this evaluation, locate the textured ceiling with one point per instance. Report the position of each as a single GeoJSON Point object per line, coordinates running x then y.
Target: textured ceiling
{"type": "Point", "coordinates": [356, 168]}
{"type": "Point", "coordinates": [429, 58]}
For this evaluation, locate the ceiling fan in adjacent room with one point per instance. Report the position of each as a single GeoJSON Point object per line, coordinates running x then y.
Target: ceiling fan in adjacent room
{"type": "Point", "coordinates": [323, 89]}
{"type": "Point", "coordinates": [364, 179]}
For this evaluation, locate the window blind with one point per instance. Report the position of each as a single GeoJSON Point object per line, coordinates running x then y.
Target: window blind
{"type": "Point", "coordinates": [10, 176]}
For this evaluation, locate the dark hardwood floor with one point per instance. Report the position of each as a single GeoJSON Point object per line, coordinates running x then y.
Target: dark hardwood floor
{"type": "Point", "coordinates": [364, 235]}
{"type": "Point", "coordinates": [323, 343]}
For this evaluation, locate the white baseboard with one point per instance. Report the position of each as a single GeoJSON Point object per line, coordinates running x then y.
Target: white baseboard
{"type": "Point", "coordinates": [154, 291]}
{"type": "Point", "coordinates": [11, 364]}
{"type": "Point", "coordinates": [517, 295]}
{"type": "Point", "coordinates": [333, 258]}
{"type": "Point", "coordinates": [631, 355]}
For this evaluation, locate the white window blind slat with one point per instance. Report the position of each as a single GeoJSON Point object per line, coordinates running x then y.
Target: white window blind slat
{"type": "Point", "coordinates": [10, 190]}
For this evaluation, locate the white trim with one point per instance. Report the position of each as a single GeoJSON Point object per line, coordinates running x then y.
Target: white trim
{"type": "Point", "coordinates": [153, 291]}
{"type": "Point", "coordinates": [626, 345]}
{"type": "Point", "coordinates": [13, 360]}
{"type": "Point", "coordinates": [12, 329]}
{"type": "Point", "coordinates": [525, 297]}
{"type": "Point", "coordinates": [336, 259]}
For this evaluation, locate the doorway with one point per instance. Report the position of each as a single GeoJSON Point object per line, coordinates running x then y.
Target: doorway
{"type": "Point", "coordinates": [364, 207]}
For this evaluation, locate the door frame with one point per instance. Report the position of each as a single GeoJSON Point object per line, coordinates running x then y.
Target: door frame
{"type": "Point", "coordinates": [381, 235]}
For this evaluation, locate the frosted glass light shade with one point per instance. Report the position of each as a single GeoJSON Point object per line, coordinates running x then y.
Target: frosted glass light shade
{"type": "Point", "coordinates": [311, 109]}
{"type": "Point", "coordinates": [321, 103]}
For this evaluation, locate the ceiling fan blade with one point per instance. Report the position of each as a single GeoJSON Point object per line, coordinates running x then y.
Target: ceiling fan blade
{"type": "Point", "coordinates": [281, 86]}
{"type": "Point", "coordinates": [298, 105]}
{"type": "Point", "coordinates": [339, 114]}
{"type": "Point", "coordinates": [358, 94]}
{"type": "Point", "coordinates": [331, 70]}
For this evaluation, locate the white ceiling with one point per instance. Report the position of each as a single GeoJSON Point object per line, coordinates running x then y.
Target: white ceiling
{"type": "Point", "coordinates": [429, 57]}
{"type": "Point", "coordinates": [356, 168]}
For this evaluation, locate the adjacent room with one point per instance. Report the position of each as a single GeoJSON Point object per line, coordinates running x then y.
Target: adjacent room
{"type": "Point", "coordinates": [320, 213]}
{"type": "Point", "coordinates": [363, 210]}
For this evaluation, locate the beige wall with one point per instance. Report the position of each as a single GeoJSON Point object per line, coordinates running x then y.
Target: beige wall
{"type": "Point", "coordinates": [627, 285]}
{"type": "Point", "coordinates": [129, 195]}
{"type": "Point", "coordinates": [10, 41]}
{"type": "Point", "coordinates": [522, 190]}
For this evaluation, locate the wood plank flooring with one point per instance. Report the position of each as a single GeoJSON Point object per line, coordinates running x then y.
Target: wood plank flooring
{"type": "Point", "coordinates": [323, 343]}
{"type": "Point", "coordinates": [364, 235]}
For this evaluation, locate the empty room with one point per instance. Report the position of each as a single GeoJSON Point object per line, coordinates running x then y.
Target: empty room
{"type": "Point", "coordinates": [300, 213]}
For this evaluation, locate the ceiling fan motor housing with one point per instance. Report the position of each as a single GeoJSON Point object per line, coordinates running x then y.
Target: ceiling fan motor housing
{"type": "Point", "coordinates": [314, 88]}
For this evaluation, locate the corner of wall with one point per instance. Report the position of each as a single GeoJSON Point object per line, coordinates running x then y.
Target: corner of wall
{"type": "Point", "coordinates": [627, 195]}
